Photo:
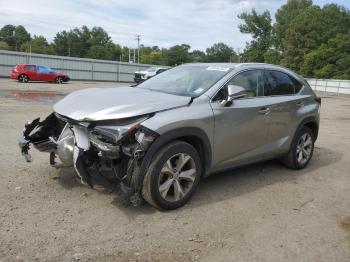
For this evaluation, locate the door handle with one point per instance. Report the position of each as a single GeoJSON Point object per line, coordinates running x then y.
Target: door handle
{"type": "Point", "coordinates": [300, 103]}
{"type": "Point", "coordinates": [264, 111]}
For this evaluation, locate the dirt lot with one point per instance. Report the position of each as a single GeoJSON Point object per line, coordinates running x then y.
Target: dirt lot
{"type": "Point", "coordinates": [264, 212]}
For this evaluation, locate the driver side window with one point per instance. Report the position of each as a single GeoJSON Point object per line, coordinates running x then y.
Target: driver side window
{"type": "Point", "coordinates": [252, 81]}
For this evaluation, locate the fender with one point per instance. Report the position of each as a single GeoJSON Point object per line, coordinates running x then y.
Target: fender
{"type": "Point", "coordinates": [172, 135]}
{"type": "Point", "coordinates": [310, 119]}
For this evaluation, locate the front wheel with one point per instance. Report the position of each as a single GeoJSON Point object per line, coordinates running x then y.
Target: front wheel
{"type": "Point", "coordinates": [301, 150]}
{"type": "Point", "coordinates": [59, 80]}
{"type": "Point", "coordinates": [173, 176]}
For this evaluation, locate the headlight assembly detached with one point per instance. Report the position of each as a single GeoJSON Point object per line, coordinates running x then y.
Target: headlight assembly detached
{"type": "Point", "coordinates": [114, 132]}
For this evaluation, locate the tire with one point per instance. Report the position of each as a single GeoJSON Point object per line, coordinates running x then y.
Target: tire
{"type": "Point", "coordinates": [23, 78]}
{"type": "Point", "coordinates": [59, 80]}
{"type": "Point", "coordinates": [163, 183]}
{"type": "Point", "coordinates": [301, 149]}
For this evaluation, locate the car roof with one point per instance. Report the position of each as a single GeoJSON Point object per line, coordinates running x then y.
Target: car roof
{"type": "Point", "coordinates": [233, 66]}
{"type": "Point", "coordinates": [236, 65]}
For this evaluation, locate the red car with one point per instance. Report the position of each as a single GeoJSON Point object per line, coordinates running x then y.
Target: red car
{"type": "Point", "coordinates": [27, 72]}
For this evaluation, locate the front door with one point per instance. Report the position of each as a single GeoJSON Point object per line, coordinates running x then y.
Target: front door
{"type": "Point", "coordinates": [241, 129]}
{"type": "Point", "coordinates": [44, 73]}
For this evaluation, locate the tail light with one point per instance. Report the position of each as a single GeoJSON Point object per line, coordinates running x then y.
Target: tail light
{"type": "Point", "coordinates": [15, 69]}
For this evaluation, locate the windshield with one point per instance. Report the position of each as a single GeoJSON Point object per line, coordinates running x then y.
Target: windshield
{"type": "Point", "coordinates": [185, 80]}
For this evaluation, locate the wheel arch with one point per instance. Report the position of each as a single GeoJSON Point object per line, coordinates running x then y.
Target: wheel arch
{"type": "Point", "coordinates": [312, 123]}
{"type": "Point", "coordinates": [192, 135]}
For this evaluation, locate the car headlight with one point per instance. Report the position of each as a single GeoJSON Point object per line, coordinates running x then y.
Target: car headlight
{"type": "Point", "coordinates": [114, 132]}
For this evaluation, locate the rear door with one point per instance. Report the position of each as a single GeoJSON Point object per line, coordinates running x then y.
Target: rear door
{"type": "Point", "coordinates": [31, 72]}
{"type": "Point", "coordinates": [281, 91]}
{"type": "Point", "coordinates": [241, 129]}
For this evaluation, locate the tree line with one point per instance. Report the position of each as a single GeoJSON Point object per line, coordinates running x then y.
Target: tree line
{"type": "Point", "coordinates": [312, 40]}
{"type": "Point", "coordinates": [97, 44]}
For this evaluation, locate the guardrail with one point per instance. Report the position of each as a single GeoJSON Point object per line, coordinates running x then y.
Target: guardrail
{"type": "Point", "coordinates": [330, 85]}
{"type": "Point", "coordinates": [75, 68]}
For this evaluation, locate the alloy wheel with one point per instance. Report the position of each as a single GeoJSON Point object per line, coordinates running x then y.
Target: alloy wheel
{"type": "Point", "coordinates": [59, 80]}
{"type": "Point", "coordinates": [177, 177]}
{"type": "Point", "coordinates": [23, 78]}
{"type": "Point", "coordinates": [304, 148]}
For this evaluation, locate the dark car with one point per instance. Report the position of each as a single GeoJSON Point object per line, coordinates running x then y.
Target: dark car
{"type": "Point", "coordinates": [28, 72]}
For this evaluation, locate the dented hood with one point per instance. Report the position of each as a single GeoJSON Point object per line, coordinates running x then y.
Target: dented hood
{"type": "Point", "coordinates": [95, 104]}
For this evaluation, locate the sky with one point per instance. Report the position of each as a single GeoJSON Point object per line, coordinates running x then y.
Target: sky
{"type": "Point", "coordinates": [199, 23]}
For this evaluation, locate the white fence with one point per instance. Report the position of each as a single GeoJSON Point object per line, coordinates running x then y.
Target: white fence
{"type": "Point", "coordinates": [330, 85]}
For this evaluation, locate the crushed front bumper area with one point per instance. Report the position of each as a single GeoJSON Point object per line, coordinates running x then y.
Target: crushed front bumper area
{"type": "Point", "coordinates": [92, 149]}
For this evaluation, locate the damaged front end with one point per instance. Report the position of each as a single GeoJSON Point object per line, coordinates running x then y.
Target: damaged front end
{"type": "Point", "coordinates": [111, 148]}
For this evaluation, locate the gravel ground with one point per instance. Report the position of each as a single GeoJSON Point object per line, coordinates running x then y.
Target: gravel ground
{"type": "Point", "coordinates": [263, 212]}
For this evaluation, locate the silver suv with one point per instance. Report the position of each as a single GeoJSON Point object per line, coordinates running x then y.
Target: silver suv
{"type": "Point", "coordinates": [161, 137]}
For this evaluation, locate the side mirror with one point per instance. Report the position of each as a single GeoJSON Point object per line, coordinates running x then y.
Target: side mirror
{"type": "Point", "coordinates": [233, 92]}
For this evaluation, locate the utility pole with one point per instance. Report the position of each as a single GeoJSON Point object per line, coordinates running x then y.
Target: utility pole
{"type": "Point", "coordinates": [30, 52]}
{"type": "Point", "coordinates": [239, 54]}
{"type": "Point", "coordinates": [138, 38]}
{"type": "Point", "coordinates": [129, 55]}
{"type": "Point", "coordinates": [134, 56]}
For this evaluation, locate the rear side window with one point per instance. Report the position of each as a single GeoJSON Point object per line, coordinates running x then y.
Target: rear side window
{"type": "Point", "coordinates": [29, 67]}
{"type": "Point", "coordinates": [279, 83]}
{"type": "Point", "coordinates": [297, 85]}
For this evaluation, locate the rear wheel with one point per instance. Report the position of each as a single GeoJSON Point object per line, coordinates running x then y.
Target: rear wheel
{"type": "Point", "coordinates": [59, 80]}
{"type": "Point", "coordinates": [23, 78]}
{"type": "Point", "coordinates": [173, 176]}
{"type": "Point", "coordinates": [301, 150]}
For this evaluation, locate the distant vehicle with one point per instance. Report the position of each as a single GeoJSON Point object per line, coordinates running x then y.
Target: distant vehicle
{"type": "Point", "coordinates": [141, 76]}
{"type": "Point", "coordinates": [28, 72]}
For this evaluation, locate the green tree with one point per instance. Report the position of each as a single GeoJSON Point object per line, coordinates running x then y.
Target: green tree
{"type": "Point", "coordinates": [38, 44]}
{"type": "Point", "coordinates": [330, 60]}
{"type": "Point", "coordinates": [99, 52]}
{"type": "Point", "coordinates": [7, 35]}
{"type": "Point", "coordinates": [98, 36]}
{"type": "Point", "coordinates": [116, 52]}
{"type": "Point", "coordinates": [198, 56]}
{"type": "Point", "coordinates": [285, 15]}
{"type": "Point", "coordinates": [14, 36]}
{"type": "Point", "coordinates": [4, 46]}
{"type": "Point", "coordinates": [273, 56]}
{"type": "Point", "coordinates": [21, 36]}
{"type": "Point", "coordinates": [125, 54]}
{"type": "Point", "coordinates": [310, 29]}
{"type": "Point", "coordinates": [75, 42]}
{"type": "Point", "coordinates": [177, 55]}
{"type": "Point", "coordinates": [105, 52]}
{"type": "Point", "coordinates": [155, 58]}
{"type": "Point", "coordinates": [221, 52]}
{"type": "Point", "coordinates": [260, 27]}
